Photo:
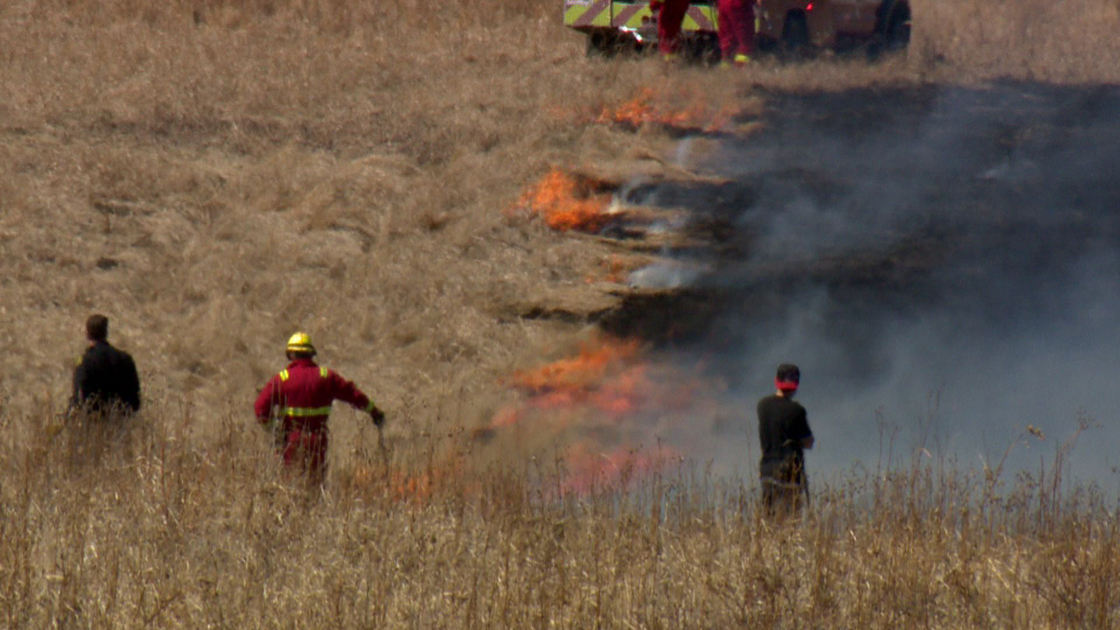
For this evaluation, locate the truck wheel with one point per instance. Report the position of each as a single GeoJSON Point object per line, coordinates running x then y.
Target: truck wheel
{"type": "Point", "coordinates": [897, 35]}
{"type": "Point", "coordinates": [893, 32]}
{"type": "Point", "coordinates": [795, 36]}
{"type": "Point", "coordinates": [600, 44]}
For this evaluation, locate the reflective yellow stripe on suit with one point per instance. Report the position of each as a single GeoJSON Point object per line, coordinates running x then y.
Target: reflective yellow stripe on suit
{"type": "Point", "coordinates": [323, 373]}
{"type": "Point", "coordinates": [306, 412]}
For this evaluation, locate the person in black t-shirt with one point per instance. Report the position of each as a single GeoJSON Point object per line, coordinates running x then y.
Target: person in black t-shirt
{"type": "Point", "coordinates": [105, 381]}
{"type": "Point", "coordinates": [783, 431]}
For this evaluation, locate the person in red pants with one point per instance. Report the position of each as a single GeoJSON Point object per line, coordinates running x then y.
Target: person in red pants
{"type": "Point", "coordinates": [296, 404]}
{"type": "Point", "coordinates": [670, 16]}
{"type": "Point", "coordinates": [736, 31]}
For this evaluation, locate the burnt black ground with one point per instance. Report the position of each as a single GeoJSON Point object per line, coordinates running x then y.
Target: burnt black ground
{"type": "Point", "coordinates": [944, 260]}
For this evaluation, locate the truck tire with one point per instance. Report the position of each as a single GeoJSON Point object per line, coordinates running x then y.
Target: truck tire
{"type": "Point", "coordinates": [896, 37]}
{"type": "Point", "coordinates": [601, 44]}
{"type": "Point", "coordinates": [892, 34]}
{"type": "Point", "coordinates": [795, 36]}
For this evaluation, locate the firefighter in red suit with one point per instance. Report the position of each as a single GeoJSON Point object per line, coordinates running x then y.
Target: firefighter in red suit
{"type": "Point", "coordinates": [736, 31]}
{"type": "Point", "coordinates": [670, 16]}
{"type": "Point", "coordinates": [296, 404]}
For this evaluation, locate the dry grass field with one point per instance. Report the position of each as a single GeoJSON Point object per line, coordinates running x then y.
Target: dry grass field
{"type": "Point", "coordinates": [213, 175]}
{"type": "Point", "coordinates": [159, 532]}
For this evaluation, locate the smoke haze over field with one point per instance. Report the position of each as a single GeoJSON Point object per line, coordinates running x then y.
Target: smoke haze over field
{"type": "Point", "coordinates": [940, 260]}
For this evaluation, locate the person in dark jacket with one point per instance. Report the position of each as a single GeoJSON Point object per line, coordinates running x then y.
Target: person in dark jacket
{"type": "Point", "coordinates": [105, 381]}
{"type": "Point", "coordinates": [784, 434]}
{"type": "Point", "coordinates": [296, 404]}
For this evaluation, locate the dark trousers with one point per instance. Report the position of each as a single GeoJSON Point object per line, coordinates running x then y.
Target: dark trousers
{"type": "Point", "coordinates": [784, 487]}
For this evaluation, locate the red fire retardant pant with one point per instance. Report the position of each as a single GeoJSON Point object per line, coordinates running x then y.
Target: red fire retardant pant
{"type": "Point", "coordinates": [304, 450]}
{"type": "Point", "coordinates": [736, 28]}
{"type": "Point", "coordinates": [300, 398]}
{"type": "Point", "coordinates": [669, 21]}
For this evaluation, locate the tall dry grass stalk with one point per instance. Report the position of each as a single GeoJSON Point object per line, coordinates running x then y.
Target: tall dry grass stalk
{"type": "Point", "coordinates": [153, 526]}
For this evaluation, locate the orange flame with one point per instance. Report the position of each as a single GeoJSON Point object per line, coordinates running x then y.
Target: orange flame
{"type": "Point", "coordinates": [598, 376]}
{"type": "Point", "coordinates": [566, 203]}
{"type": "Point", "coordinates": [589, 469]}
{"type": "Point", "coordinates": [400, 485]}
{"type": "Point", "coordinates": [635, 111]}
{"type": "Point", "coordinates": [580, 372]}
{"type": "Point", "coordinates": [605, 392]}
{"type": "Point", "coordinates": [649, 106]}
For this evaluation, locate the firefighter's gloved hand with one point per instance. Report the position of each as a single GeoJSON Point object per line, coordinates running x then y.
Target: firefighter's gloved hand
{"type": "Point", "coordinates": [378, 417]}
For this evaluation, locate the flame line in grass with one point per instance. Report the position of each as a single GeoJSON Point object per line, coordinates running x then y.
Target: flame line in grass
{"type": "Point", "coordinates": [566, 203]}
{"type": "Point", "coordinates": [570, 401]}
{"type": "Point", "coordinates": [652, 107]}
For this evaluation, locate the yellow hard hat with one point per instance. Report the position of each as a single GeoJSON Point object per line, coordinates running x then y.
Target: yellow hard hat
{"type": "Point", "coordinates": [301, 343]}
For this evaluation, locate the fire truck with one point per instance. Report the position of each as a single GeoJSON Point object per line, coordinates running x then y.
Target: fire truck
{"type": "Point", "coordinates": [791, 26]}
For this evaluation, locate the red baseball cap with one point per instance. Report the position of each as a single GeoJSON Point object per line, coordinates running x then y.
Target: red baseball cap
{"type": "Point", "coordinates": [788, 378]}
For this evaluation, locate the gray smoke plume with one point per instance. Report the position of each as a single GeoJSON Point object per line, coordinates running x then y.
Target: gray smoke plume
{"type": "Point", "coordinates": [940, 260]}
